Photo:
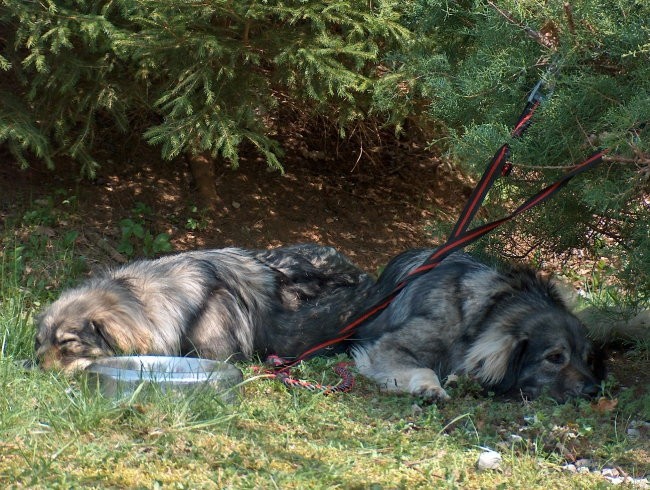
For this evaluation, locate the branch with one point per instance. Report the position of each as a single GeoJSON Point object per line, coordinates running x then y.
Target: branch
{"type": "Point", "coordinates": [537, 36]}
{"type": "Point", "coordinates": [635, 161]}
{"type": "Point", "coordinates": [568, 11]}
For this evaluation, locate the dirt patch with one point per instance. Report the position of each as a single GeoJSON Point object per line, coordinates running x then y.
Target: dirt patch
{"type": "Point", "coordinates": [370, 211]}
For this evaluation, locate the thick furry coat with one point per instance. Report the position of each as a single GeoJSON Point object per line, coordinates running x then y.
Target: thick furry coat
{"type": "Point", "coordinates": [510, 329]}
{"type": "Point", "coordinates": [221, 304]}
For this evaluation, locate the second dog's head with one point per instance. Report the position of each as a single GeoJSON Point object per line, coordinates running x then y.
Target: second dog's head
{"type": "Point", "coordinates": [537, 346]}
{"type": "Point", "coordinates": [89, 322]}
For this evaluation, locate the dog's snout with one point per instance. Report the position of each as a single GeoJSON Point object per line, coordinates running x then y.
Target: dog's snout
{"type": "Point", "coordinates": [590, 389]}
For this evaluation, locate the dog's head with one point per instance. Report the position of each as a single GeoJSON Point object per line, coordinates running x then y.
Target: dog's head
{"type": "Point", "coordinates": [535, 344]}
{"type": "Point", "coordinates": [85, 324]}
{"type": "Point", "coordinates": [549, 354]}
{"type": "Point", "coordinates": [556, 357]}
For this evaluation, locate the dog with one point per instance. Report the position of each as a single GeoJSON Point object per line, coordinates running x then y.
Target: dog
{"type": "Point", "coordinates": [509, 329]}
{"type": "Point", "coordinates": [220, 304]}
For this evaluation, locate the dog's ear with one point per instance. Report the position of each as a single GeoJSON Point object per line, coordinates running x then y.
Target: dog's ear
{"type": "Point", "coordinates": [490, 356]}
{"type": "Point", "coordinates": [96, 332]}
{"type": "Point", "coordinates": [124, 326]}
{"type": "Point", "coordinates": [515, 363]}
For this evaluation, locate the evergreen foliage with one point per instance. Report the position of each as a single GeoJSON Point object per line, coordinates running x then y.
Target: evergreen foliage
{"type": "Point", "coordinates": [199, 76]}
{"type": "Point", "coordinates": [474, 64]}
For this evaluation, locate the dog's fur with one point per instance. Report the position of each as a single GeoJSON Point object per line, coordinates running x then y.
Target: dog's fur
{"type": "Point", "coordinates": [511, 330]}
{"type": "Point", "coordinates": [221, 304]}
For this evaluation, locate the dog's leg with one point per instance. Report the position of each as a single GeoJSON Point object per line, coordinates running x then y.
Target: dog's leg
{"type": "Point", "coordinates": [398, 372]}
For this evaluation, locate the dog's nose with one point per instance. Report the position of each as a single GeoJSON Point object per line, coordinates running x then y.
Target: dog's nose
{"type": "Point", "coordinates": [590, 389]}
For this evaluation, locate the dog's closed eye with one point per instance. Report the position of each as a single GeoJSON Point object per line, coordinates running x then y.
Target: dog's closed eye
{"type": "Point", "coordinates": [67, 340]}
{"type": "Point", "coordinates": [555, 357]}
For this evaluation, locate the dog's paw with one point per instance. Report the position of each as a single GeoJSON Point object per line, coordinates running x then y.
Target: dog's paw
{"type": "Point", "coordinates": [431, 393]}
{"type": "Point", "coordinates": [424, 383]}
{"type": "Point", "coordinates": [452, 381]}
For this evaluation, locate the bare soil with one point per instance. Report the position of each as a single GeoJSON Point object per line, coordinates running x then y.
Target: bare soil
{"type": "Point", "coordinates": [369, 210]}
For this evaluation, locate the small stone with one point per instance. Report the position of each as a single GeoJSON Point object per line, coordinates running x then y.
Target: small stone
{"type": "Point", "coordinates": [633, 433]}
{"type": "Point", "coordinates": [610, 472]}
{"type": "Point", "coordinates": [641, 483]}
{"type": "Point", "coordinates": [583, 470]}
{"type": "Point", "coordinates": [489, 460]}
{"type": "Point", "coordinates": [570, 467]}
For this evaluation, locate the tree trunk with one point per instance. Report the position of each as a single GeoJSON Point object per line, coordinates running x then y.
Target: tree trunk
{"type": "Point", "coordinates": [202, 168]}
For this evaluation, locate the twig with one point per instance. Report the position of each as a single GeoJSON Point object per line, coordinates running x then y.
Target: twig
{"type": "Point", "coordinates": [618, 159]}
{"type": "Point", "coordinates": [103, 244]}
{"type": "Point", "coordinates": [532, 33]}
{"type": "Point", "coordinates": [568, 11]}
{"type": "Point", "coordinates": [247, 30]}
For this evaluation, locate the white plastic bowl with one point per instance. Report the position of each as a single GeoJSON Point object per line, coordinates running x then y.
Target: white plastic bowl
{"type": "Point", "coordinates": [120, 376]}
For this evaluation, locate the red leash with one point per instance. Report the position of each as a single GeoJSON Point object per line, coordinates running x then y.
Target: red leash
{"type": "Point", "coordinates": [459, 238]}
{"type": "Point", "coordinates": [282, 373]}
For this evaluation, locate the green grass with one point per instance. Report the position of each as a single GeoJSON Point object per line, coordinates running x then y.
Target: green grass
{"type": "Point", "coordinates": [58, 432]}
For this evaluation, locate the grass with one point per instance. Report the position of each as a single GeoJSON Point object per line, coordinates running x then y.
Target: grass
{"type": "Point", "coordinates": [58, 432]}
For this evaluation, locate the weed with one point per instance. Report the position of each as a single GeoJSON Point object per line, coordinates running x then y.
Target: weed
{"type": "Point", "coordinates": [137, 239]}
{"type": "Point", "coordinates": [198, 219]}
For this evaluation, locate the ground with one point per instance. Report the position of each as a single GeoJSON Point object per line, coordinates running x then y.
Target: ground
{"type": "Point", "coordinates": [369, 210]}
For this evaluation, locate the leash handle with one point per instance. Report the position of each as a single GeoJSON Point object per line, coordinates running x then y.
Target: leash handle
{"type": "Point", "coordinates": [474, 234]}
{"type": "Point", "coordinates": [499, 165]}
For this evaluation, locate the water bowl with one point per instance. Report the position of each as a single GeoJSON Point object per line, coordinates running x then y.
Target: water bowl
{"type": "Point", "coordinates": [120, 376]}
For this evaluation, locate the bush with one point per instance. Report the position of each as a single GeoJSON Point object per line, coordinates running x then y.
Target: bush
{"type": "Point", "coordinates": [199, 77]}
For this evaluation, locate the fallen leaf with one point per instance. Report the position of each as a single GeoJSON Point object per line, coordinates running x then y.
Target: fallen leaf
{"type": "Point", "coordinates": [604, 405]}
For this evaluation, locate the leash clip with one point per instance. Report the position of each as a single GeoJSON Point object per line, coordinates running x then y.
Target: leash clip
{"type": "Point", "coordinates": [535, 94]}
{"type": "Point", "coordinates": [543, 85]}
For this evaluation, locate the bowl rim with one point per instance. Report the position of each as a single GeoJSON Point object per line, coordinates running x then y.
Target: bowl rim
{"type": "Point", "coordinates": [205, 369]}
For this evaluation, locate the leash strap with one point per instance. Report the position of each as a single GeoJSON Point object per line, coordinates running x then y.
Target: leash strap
{"type": "Point", "coordinates": [459, 238]}
{"type": "Point", "coordinates": [284, 376]}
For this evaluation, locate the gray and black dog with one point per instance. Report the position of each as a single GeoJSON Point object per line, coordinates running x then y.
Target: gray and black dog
{"type": "Point", "coordinates": [221, 304]}
{"type": "Point", "coordinates": [509, 329]}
